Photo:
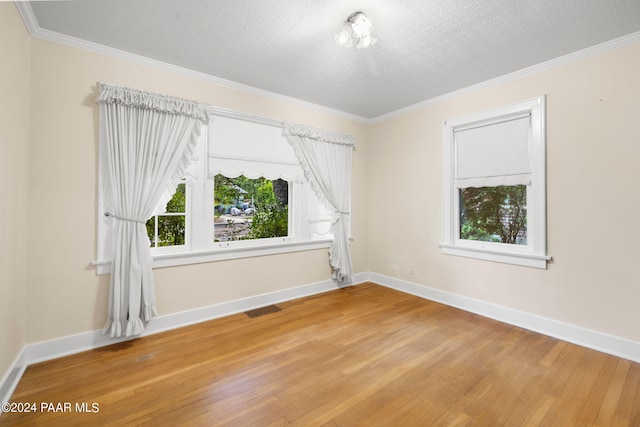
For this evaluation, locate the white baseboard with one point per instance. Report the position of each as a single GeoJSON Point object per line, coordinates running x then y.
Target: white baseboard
{"type": "Point", "coordinates": [595, 340]}
{"type": "Point", "coordinates": [11, 378]}
{"type": "Point", "coordinates": [59, 347]}
{"type": "Point", "coordinates": [64, 346]}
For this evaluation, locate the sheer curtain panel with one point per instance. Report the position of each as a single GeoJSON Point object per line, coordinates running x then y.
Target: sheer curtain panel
{"type": "Point", "coordinates": [150, 140]}
{"type": "Point", "coordinates": [325, 158]}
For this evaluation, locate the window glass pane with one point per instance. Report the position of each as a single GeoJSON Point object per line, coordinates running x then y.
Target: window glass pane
{"type": "Point", "coordinates": [151, 230]}
{"type": "Point", "coordinates": [177, 202]}
{"type": "Point", "coordinates": [248, 208]}
{"type": "Point", "coordinates": [169, 230]}
{"type": "Point", "coordinates": [494, 214]}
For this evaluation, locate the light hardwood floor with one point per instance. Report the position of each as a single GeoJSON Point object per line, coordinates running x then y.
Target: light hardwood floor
{"type": "Point", "coordinates": [364, 355]}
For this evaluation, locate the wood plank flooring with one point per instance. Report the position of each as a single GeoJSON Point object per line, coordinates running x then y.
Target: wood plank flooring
{"type": "Point", "coordinates": [360, 356]}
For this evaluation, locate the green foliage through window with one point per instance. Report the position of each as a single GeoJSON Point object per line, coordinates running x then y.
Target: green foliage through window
{"type": "Point", "coordinates": [171, 226]}
{"type": "Point", "coordinates": [248, 208]}
{"type": "Point", "coordinates": [494, 214]}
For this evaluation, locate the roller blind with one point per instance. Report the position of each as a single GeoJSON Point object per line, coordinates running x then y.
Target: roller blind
{"type": "Point", "coordinates": [494, 154]}
{"type": "Point", "coordinates": [238, 147]}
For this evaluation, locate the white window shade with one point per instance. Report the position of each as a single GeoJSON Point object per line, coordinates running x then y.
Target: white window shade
{"type": "Point", "coordinates": [239, 147]}
{"type": "Point", "coordinates": [493, 154]}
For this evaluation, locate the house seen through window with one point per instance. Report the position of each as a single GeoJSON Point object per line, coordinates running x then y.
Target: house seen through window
{"type": "Point", "coordinates": [244, 209]}
{"type": "Point", "coordinates": [248, 208]}
{"type": "Point", "coordinates": [494, 214]}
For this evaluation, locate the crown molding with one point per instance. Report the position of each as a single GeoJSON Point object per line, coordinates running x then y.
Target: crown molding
{"type": "Point", "coordinates": [525, 72]}
{"type": "Point", "coordinates": [36, 31]}
{"type": "Point", "coordinates": [29, 19]}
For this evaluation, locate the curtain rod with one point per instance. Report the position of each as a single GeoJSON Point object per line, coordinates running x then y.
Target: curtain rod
{"type": "Point", "coordinates": [217, 111]}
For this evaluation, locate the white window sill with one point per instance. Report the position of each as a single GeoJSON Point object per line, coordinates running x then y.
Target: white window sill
{"type": "Point", "coordinates": [222, 254]}
{"type": "Point", "coordinates": [518, 258]}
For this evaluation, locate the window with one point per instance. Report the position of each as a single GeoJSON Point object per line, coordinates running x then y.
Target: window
{"type": "Point", "coordinates": [243, 195]}
{"type": "Point", "coordinates": [494, 214]}
{"type": "Point", "coordinates": [250, 209]}
{"type": "Point", "coordinates": [495, 185]}
{"type": "Point", "coordinates": [169, 229]}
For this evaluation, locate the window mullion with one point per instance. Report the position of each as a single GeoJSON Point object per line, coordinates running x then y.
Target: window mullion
{"type": "Point", "coordinates": [155, 231]}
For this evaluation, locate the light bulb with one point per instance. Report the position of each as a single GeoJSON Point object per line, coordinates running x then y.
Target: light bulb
{"type": "Point", "coordinates": [342, 38]}
{"type": "Point", "coordinates": [361, 25]}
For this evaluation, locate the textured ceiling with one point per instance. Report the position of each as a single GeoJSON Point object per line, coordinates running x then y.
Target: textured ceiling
{"type": "Point", "coordinates": [425, 48]}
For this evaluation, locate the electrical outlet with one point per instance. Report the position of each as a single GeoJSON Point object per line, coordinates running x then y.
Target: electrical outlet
{"type": "Point", "coordinates": [412, 269]}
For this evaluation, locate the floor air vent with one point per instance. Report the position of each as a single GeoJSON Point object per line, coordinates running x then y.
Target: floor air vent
{"type": "Point", "coordinates": [262, 311]}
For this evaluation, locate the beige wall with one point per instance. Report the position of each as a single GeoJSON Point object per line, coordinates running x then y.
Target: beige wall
{"type": "Point", "coordinates": [64, 294]}
{"type": "Point", "coordinates": [593, 150]}
{"type": "Point", "coordinates": [14, 142]}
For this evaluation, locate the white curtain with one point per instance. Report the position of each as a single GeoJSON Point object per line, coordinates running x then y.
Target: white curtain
{"type": "Point", "coordinates": [326, 161]}
{"type": "Point", "coordinates": [239, 147]}
{"type": "Point", "coordinates": [150, 141]}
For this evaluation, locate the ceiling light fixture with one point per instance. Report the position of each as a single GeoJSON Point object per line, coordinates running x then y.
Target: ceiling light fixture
{"type": "Point", "coordinates": [356, 32]}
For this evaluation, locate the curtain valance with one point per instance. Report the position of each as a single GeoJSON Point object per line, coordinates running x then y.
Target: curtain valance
{"type": "Point", "coordinates": [110, 94]}
{"type": "Point", "coordinates": [318, 134]}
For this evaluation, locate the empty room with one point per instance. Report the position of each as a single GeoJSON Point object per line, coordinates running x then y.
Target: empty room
{"type": "Point", "coordinates": [331, 213]}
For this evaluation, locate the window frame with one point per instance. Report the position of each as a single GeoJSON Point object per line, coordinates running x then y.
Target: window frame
{"type": "Point", "coordinates": [187, 225]}
{"type": "Point", "coordinates": [534, 254]}
{"type": "Point", "coordinates": [482, 242]}
{"type": "Point", "coordinates": [199, 239]}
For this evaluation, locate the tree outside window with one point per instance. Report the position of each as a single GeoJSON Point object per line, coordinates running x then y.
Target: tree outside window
{"type": "Point", "coordinates": [248, 208]}
{"type": "Point", "coordinates": [169, 228]}
{"type": "Point", "coordinates": [494, 214]}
